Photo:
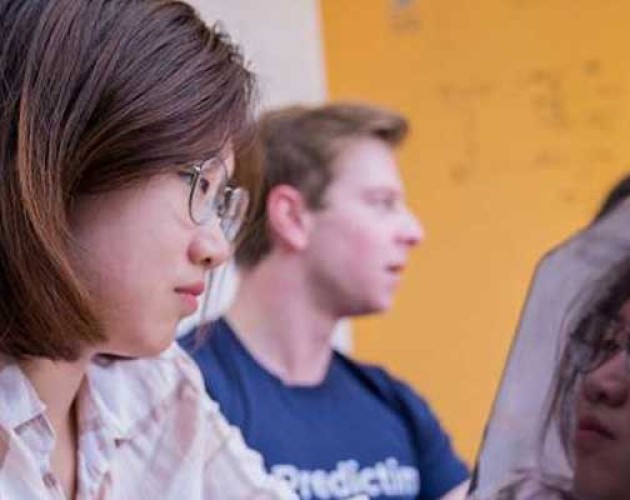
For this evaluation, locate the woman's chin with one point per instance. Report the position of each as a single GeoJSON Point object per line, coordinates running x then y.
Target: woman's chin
{"type": "Point", "coordinates": [589, 485]}
{"type": "Point", "coordinates": [147, 347]}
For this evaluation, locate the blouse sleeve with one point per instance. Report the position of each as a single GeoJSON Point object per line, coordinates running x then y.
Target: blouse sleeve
{"type": "Point", "coordinates": [231, 470]}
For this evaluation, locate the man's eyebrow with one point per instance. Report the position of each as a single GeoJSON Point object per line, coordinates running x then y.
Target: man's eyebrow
{"type": "Point", "coordinates": [390, 190]}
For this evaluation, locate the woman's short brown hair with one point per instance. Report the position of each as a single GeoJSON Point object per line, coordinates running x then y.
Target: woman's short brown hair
{"type": "Point", "coordinates": [297, 146]}
{"type": "Point", "coordinates": [95, 95]}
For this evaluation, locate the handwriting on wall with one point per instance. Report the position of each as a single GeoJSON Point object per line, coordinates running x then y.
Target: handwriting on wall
{"type": "Point", "coordinates": [573, 113]}
{"type": "Point", "coordinates": [405, 16]}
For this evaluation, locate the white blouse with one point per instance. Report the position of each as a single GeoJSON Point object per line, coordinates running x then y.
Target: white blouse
{"type": "Point", "coordinates": [147, 430]}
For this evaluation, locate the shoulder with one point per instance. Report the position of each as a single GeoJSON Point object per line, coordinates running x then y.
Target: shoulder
{"type": "Point", "coordinates": [361, 368]}
{"type": "Point", "coordinates": [440, 468]}
{"type": "Point", "coordinates": [378, 379]}
{"type": "Point", "coordinates": [152, 384]}
{"type": "Point", "coordinates": [161, 403]}
{"type": "Point", "coordinates": [529, 484]}
{"type": "Point", "coordinates": [169, 368]}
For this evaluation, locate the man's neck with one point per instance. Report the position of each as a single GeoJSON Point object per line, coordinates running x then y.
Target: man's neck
{"type": "Point", "coordinates": [280, 325]}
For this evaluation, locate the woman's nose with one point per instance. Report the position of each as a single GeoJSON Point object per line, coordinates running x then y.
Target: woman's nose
{"type": "Point", "coordinates": [608, 384]}
{"type": "Point", "coordinates": [209, 247]}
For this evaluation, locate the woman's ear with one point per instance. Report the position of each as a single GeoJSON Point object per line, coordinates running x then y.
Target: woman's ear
{"type": "Point", "coordinates": [288, 217]}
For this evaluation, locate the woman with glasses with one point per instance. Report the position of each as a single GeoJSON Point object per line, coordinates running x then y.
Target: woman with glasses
{"type": "Point", "coordinates": [118, 193]}
{"type": "Point", "coordinates": [590, 404]}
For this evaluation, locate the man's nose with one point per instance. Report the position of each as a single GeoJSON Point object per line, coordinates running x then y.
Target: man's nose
{"type": "Point", "coordinates": [412, 230]}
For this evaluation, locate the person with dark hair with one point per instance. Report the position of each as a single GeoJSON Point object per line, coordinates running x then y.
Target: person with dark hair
{"type": "Point", "coordinates": [619, 192]}
{"type": "Point", "coordinates": [329, 240]}
{"type": "Point", "coordinates": [589, 408]}
{"type": "Point", "coordinates": [527, 449]}
{"type": "Point", "coordinates": [118, 125]}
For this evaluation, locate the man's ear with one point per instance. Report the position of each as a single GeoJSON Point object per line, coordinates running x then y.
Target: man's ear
{"type": "Point", "coordinates": [288, 217]}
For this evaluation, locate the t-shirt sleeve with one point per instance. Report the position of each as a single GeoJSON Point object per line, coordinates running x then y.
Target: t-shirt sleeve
{"type": "Point", "coordinates": [440, 468]}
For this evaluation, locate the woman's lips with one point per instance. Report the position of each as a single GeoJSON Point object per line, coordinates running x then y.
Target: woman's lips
{"type": "Point", "coordinates": [593, 424]}
{"type": "Point", "coordinates": [195, 289]}
{"type": "Point", "coordinates": [189, 296]}
{"type": "Point", "coordinates": [189, 302]}
{"type": "Point", "coordinates": [591, 434]}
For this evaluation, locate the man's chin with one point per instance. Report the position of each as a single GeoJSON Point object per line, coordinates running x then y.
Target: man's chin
{"type": "Point", "coordinates": [374, 306]}
{"type": "Point", "coordinates": [383, 304]}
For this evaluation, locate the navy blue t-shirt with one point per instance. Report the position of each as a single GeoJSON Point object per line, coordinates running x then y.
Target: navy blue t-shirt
{"type": "Point", "coordinates": [359, 432]}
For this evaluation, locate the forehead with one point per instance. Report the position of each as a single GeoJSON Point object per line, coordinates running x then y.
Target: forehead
{"type": "Point", "coordinates": [366, 163]}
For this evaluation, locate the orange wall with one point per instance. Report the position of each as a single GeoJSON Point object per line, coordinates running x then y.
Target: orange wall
{"type": "Point", "coordinates": [520, 112]}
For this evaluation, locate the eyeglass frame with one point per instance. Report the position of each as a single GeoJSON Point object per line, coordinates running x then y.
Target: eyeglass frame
{"type": "Point", "coordinates": [621, 327]}
{"type": "Point", "coordinates": [225, 190]}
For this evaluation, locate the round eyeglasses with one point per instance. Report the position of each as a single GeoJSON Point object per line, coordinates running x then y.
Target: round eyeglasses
{"type": "Point", "coordinates": [212, 197]}
{"type": "Point", "coordinates": [598, 339]}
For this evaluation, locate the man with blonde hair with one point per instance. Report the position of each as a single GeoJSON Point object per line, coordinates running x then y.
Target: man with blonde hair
{"type": "Point", "coordinates": [329, 240]}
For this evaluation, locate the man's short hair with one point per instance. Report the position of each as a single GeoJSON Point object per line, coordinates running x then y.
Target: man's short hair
{"type": "Point", "coordinates": [297, 146]}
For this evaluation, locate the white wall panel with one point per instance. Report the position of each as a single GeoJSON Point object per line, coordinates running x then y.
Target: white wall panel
{"type": "Point", "coordinates": [281, 38]}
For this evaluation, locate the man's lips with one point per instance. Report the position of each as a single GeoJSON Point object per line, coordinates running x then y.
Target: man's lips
{"type": "Point", "coordinates": [396, 268]}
